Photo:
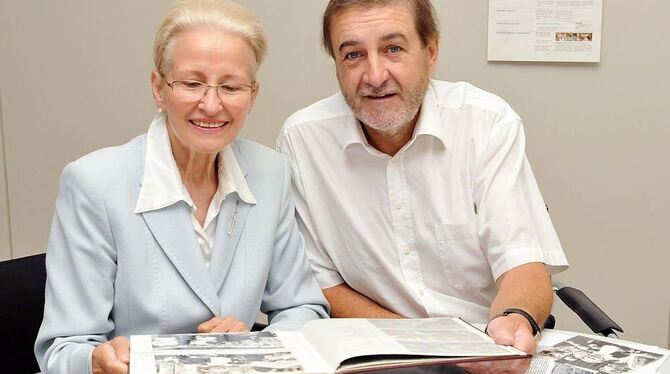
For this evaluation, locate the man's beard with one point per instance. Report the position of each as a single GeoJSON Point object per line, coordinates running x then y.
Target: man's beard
{"type": "Point", "coordinates": [390, 118]}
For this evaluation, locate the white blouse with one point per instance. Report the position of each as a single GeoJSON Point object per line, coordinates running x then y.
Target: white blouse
{"type": "Point", "coordinates": [162, 185]}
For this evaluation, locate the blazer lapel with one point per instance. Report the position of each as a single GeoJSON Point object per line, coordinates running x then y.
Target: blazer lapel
{"type": "Point", "coordinates": [173, 230]}
{"type": "Point", "coordinates": [229, 228]}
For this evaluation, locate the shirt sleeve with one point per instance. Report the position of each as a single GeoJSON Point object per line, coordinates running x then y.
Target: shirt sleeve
{"type": "Point", "coordinates": [81, 266]}
{"type": "Point", "coordinates": [513, 225]}
{"type": "Point", "coordinates": [322, 264]}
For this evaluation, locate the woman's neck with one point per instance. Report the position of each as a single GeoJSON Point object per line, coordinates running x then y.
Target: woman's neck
{"type": "Point", "coordinates": [199, 175]}
{"type": "Point", "coordinates": [197, 170]}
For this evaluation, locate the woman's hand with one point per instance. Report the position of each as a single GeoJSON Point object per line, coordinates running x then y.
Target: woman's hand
{"type": "Point", "coordinates": [112, 357]}
{"type": "Point", "coordinates": [225, 324]}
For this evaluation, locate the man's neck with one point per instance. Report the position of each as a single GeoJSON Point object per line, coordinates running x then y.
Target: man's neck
{"type": "Point", "coordinates": [390, 142]}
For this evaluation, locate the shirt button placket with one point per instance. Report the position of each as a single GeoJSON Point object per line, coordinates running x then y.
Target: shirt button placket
{"type": "Point", "coordinates": [394, 178]}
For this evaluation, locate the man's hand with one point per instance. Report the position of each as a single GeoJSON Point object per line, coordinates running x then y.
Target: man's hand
{"type": "Point", "coordinates": [526, 287]}
{"type": "Point", "coordinates": [222, 324]}
{"type": "Point", "coordinates": [112, 357]}
{"type": "Point", "coordinates": [514, 330]}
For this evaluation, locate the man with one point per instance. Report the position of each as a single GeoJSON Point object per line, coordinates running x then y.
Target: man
{"type": "Point", "coordinates": [414, 195]}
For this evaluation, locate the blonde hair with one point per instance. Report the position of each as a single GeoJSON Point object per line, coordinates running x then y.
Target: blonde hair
{"type": "Point", "coordinates": [223, 14]}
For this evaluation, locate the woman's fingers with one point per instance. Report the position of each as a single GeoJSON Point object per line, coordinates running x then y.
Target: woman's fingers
{"type": "Point", "coordinates": [225, 324]}
{"type": "Point", "coordinates": [206, 327]}
{"type": "Point", "coordinates": [106, 361]}
{"type": "Point", "coordinates": [121, 347]}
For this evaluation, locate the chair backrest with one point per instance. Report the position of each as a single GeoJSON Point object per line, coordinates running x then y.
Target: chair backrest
{"type": "Point", "coordinates": [22, 283]}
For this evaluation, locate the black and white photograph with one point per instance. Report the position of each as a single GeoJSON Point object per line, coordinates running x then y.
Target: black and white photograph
{"type": "Point", "coordinates": [258, 352]}
{"type": "Point", "coordinates": [254, 340]}
{"type": "Point", "coordinates": [598, 356]}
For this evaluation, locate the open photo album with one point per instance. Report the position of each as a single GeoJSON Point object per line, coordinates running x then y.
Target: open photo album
{"type": "Point", "coordinates": [320, 346]}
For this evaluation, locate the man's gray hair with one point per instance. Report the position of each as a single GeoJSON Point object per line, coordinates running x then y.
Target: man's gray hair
{"type": "Point", "coordinates": [425, 17]}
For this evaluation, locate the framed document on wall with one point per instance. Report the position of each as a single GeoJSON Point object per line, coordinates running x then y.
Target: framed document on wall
{"type": "Point", "coordinates": [545, 30]}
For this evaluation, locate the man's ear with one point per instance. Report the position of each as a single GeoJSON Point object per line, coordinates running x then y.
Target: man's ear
{"type": "Point", "coordinates": [156, 83]}
{"type": "Point", "coordinates": [433, 49]}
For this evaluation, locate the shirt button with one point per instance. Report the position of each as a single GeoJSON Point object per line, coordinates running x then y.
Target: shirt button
{"type": "Point", "coordinates": [421, 292]}
{"type": "Point", "coordinates": [398, 205]}
{"type": "Point", "coordinates": [408, 250]}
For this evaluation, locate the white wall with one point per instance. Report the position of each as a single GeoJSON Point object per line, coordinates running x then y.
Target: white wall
{"type": "Point", "coordinates": [598, 139]}
{"type": "Point", "coordinates": [5, 242]}
{"type": "Point", "coordinates": [74, 76]}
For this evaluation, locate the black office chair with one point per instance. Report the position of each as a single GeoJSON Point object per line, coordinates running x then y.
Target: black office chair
{"type": "Point", "coordinates": [22, 283]}
{"type": "Point", "coordinates": [586, 309]}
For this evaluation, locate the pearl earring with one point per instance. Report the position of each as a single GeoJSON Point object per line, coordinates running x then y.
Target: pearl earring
{"type": "Point", "coordinates": [160, 110]}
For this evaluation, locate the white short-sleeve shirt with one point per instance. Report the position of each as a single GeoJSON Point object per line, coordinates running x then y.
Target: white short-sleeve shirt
{"type": "Point", "coordinates": [427, 231]}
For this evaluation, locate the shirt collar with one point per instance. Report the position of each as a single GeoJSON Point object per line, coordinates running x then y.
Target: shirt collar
{"type": "Point", "coordinates": [161, 181]}
{"type": "Point", "coordinates": [353, 132]}
{"type": "Point", "coordinates": [428, 123]}
{"type": "Point", "coordinates": [231, 172]}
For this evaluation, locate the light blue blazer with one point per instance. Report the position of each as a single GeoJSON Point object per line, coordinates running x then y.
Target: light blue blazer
{"type": "Point", "coordinates": [112, 272]}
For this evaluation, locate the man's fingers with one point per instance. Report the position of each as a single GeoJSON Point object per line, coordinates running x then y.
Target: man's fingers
{"type": "Point", "coordinates": [524, 341]}
{"type": "Point", "coordinates": [503, 337]}
{"type": "Point", "coordinates": [513, 330]}
{"type": "Point", "coordinates": [502, 331]}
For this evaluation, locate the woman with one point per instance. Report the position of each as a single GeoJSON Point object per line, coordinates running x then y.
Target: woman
{"type": "Point", "coordinates": [185, 228]}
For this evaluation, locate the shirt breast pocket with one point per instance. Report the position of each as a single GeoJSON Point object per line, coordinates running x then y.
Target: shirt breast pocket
{"type": "Point", "coordinates": [466, 269]}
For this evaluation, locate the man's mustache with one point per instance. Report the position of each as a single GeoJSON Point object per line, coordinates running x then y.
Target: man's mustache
{"type": "Point", "coordinates": [385, 89]}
